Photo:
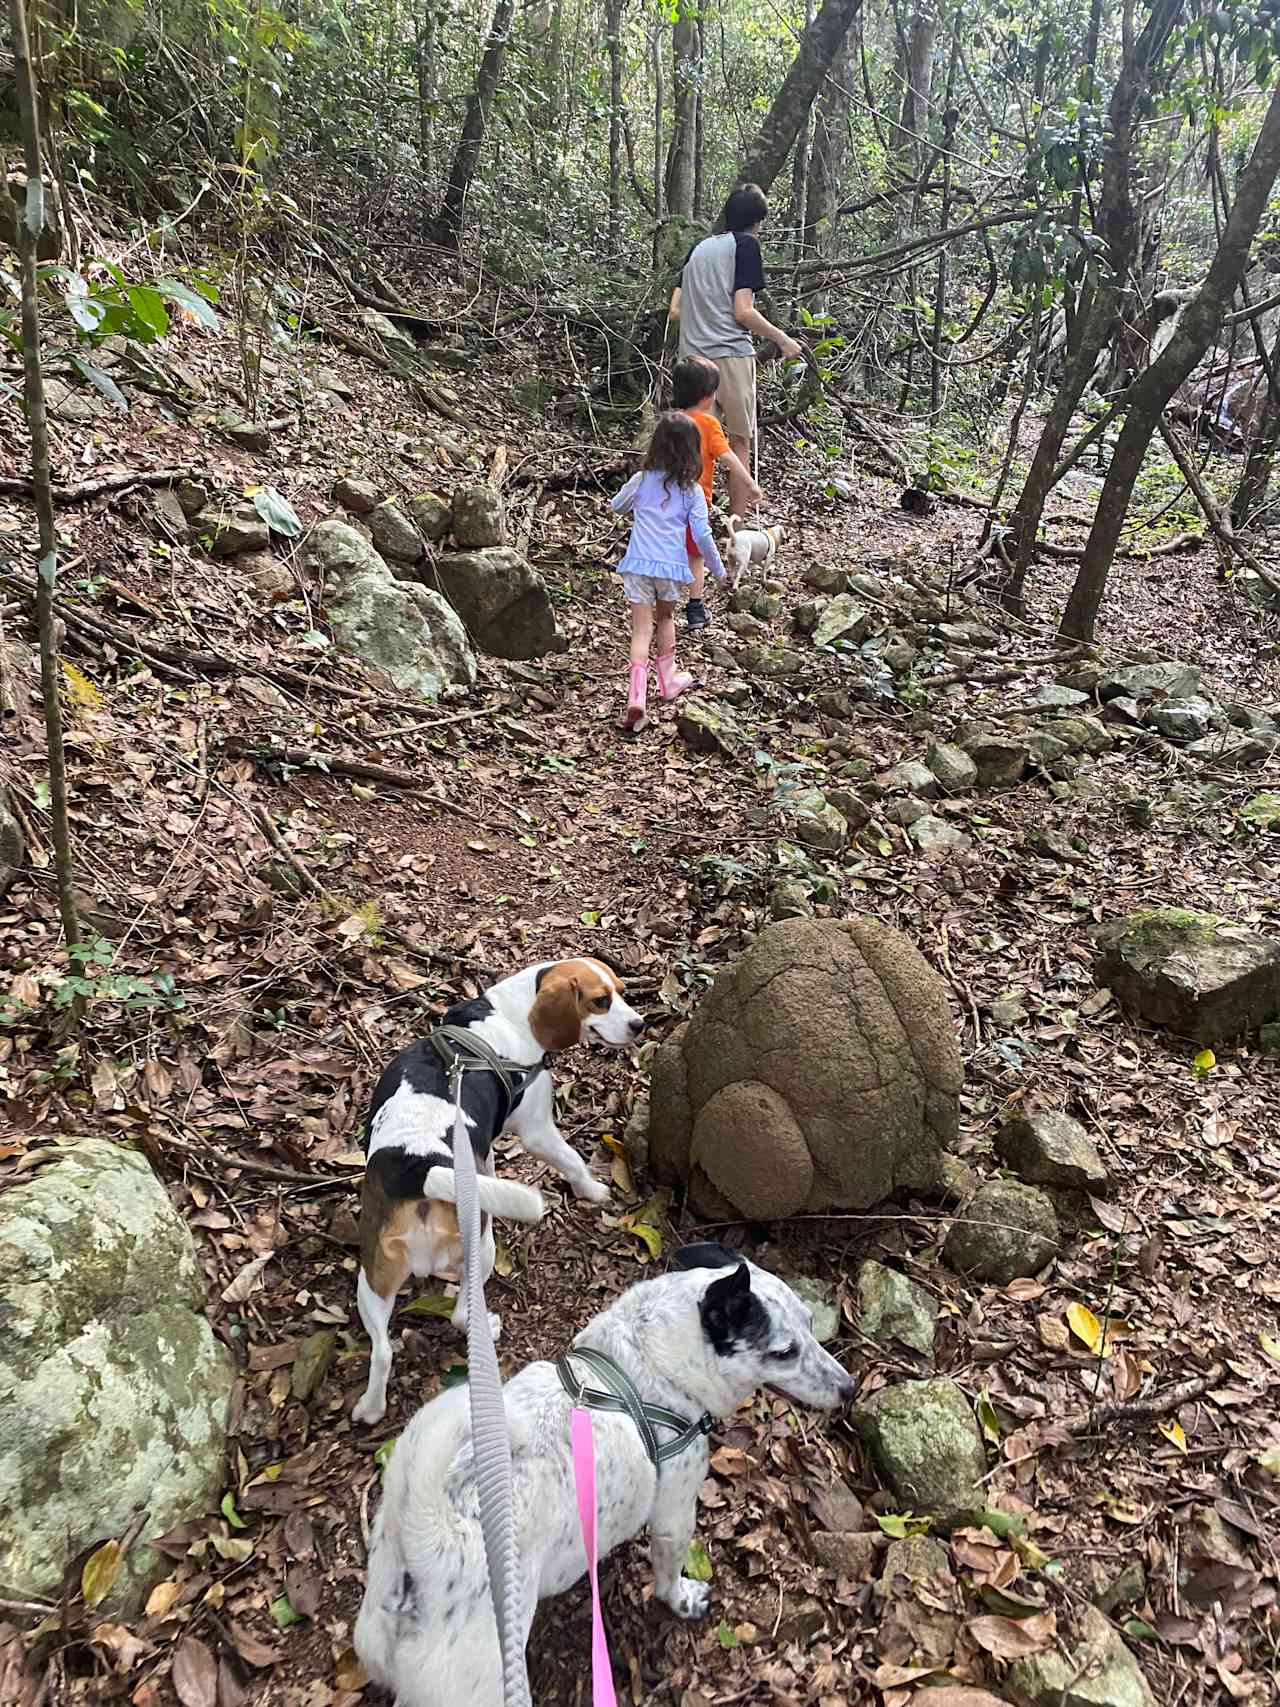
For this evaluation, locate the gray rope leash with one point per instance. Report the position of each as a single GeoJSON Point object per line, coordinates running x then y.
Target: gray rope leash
{"type": "Point", "coordinates": [491, 1443]}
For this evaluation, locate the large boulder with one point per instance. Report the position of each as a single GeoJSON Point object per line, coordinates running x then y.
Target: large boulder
{"type": "Point", "coordinates": [927, 1446]}
{"type": "Point", "coordinates": [1204, 977]}
{"type": "Point", "coordinates": [1150, 681]}
{"type": "Point", "coordinates": [502, 601]}
{"type": "Point", "coordinates": [114, 1392]}
{"type": "Point", "coordinates": [407, 630]}
{"type": "Point", "coordinates": [820, 1071]}
{"type": "Point", "coordinates": [394, 535]}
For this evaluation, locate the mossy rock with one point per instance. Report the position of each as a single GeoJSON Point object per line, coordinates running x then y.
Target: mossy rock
{"type": "Point", "coordinates": [926, 1445]}
{"type": "Point", "coordinates": [1203, 977]}
{"type": "Point", "coordinates": [1007, 1232]}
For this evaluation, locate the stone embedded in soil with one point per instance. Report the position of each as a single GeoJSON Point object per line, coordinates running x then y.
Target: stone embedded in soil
{"type": "Point", "coordinates": [1096, 1671]}
{"type": "Point", "coordinates": [1123, 712]}
{"type": "Point", "coordinates": [1201, 976]}
{"type": "Point", "coordinates": [746, 626]}
{"type": "Point", "coordinates": [1056, 844]}
{"type": "Point", "coordinates": [775, 661]}
{"type": "Point", "coordinates": [1224, 753]}
{"type": "Point", "coordinates": [953, 769]}
{"type": "Point", "coordinates": [1082, 734]}
{"type": "Point", "coordinates": [268, 575]}
{"type": "Point", "coordinates": [805, 617]}
{"type": "Point", "coordinates": [1268, 1036]}
{"type": "Point", "coordinates": [1208, 1540]}
{"type": "Point", "coordinates": [975, 634]}
{"type": "Point", "coordinates": [1150, 681]}
{"type": "Point", "coordinates": [1009, 1012]}
{"type": "Point", "coordinates": [358, 495]}
{"type": "Point", "coordinates": [927, 1447]}
{"type": "Point", "coordinates": [192, 495]}
{"type": "Point", "coordinates": [387, 330]}
{"type": "Point", "coordinates": [1044, 750]}
{"type": "Point", "coordinates": [1046, 1148]}
{"type": "Point", "coordinates": [432, 515]}
{"type": "Point", "coordinates": [817, 1295]}
{"type": "Point", "coordinates": [936, 839]}
{"type": "Point", "coordinates": [907, 811]}
{"type": "Point", "coordinates": [789, 899]}
{"type": "Point", "coordinates": [1053, 696]}
{"type": "Point", "coordinates": [813, 820]}
{"type": "Point", "coordinates": [312, 1362]}
{"type": "Point", "coordinates": [1000, 759]}
{"type": "Point", "coordinates": [1182, 719]}
{"type": "Point", "coordinates": [899, 655]}
{"type": "Point", "coordinates": [843, 619]}
{"type": "Point", "coordinates": [891, 1307]}
{"type": "Point", "coordinates": [1262, 812]}
{"type": "Point", "coordinates": [709, 728]}
{"type": "Point", "coordinates": [502, 601]}
{"type": "Point", "coordinates": [228, 529]}
{"type": "Point", "coordinates": [853, 1553]}
{"type": "Point", "coordinates": [916, 1559]}
{"type": "Point", "coordinates": [170, 518]}
{"type": "Point", "coordinates": [851, 807]}
{"type": "Point", "coordinates": [824, 579]}
{"type": "Point", "coordinates": [910, 777]}
{"type": "Point", "coordinates": [479, 517]}
{"type": "Point", "coordinates": [65, 403]}
{"type": "Point", "coordinates": [249, 435]}
{"type": "Point", "coordinates": [13, 845]}
{"type": "Point", "coordinates": [394, 535]}
{"type": "Point", "coordinates": [1007, 1232]}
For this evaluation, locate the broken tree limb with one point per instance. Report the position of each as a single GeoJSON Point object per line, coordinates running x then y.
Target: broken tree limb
{"type": "Point", "coordinates": [83, 490]}
{"type": "Point", "coordinates": [1141, 1410]}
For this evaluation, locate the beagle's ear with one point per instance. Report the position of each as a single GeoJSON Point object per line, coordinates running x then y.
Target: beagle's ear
{"type": "Point", "coordinates": [707, 1255]}
{"type": "Point", "coordinates": [555, 1018]}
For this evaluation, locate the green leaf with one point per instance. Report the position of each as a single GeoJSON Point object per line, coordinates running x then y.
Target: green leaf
{"type": "Point", "coordinates": [697, 1563]}
{"type": "Point", "coordinates": [589, 918]}
{"type": "Point", "coordinates": [454, 1375]}
{"type": "Point", "coordinates": [283, 1613]}
{"type": "Point", "coordinates": [228, 1509]}
{"type": "Point", "coordinates": [430, 1304]}
{"type": "Point", "coordinates": [987, 1416]}
{"type": "Point", "coordinates": [725, 1636]}
{"type": "Point", "coordinates": [1002, 1523]}
{"type": "Point", "coordinates": [176, 291]}
{"type": "Point", "coordinates": [901, 1524]}
{"type": "Point", "coordinates": [277, 512]}
{"type": "Point", "coordinates": [151, 317]}
{"type": "Point", "coordinates": [102, 382]}
{"type": "Point", "coordinates": [1143, 1631]}
{"type": "Point", "coordinates": [383, 1454]}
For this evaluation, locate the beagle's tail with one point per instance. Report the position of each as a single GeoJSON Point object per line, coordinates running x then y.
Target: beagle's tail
{"type": "Point", "coordinates": [505, 1198]}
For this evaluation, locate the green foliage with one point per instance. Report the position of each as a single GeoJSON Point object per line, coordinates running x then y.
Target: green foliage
{"type": "Point", "coordinates": [91, 981]}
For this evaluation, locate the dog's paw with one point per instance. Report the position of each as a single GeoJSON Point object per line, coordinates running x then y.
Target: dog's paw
{"type": "Point", "coordinates": [594, 1191]}
{"type": "Point", "coordinates": [690, 1600]}
{"type": "Point", "coordinates": [369, 1410]}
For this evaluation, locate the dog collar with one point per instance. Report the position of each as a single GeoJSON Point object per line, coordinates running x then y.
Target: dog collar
{"type": "Point", "coordinates": [622, 1396]}
{"type": "Point", "coordinates": [462, 1050]}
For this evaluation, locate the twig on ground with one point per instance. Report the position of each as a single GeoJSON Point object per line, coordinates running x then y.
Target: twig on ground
{"type": "Point", "coordinates": [1139, 1410]}
{"type": "Point", "coordinates": [83, 490]}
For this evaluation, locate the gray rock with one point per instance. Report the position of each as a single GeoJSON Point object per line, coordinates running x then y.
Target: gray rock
{"type": "Point", "coordinates": [927, 1446]}
{"type": "Point", "coordinates": [1269, 1038]}
{"type": "Point", "coordinates": [817, 1295]}
{"type": "Point", "coordinates": [432, 514]}
{"type": "Point", "coordinates": [1082, 734]}
{"type": "Point", "coordinates": [407, 630]}
{"type": "Point", "coordinates": [502, 600]}
{"type": "Point", "coordinates": [1044, 750]}
{"type": "Point", "coordinates": [1000, 759]}
{"type": "Point", "coordinates": [1055, 844]}
{"type": "Point", "coordinates": [361, 496]}
{"type": "Point", "coordinates": [192, 496]}
{"type": "Point", "coordinates": [1096, 1671]}
{"type": "Point", "coordinates": [268, 575]}
{"type": "Point", "coordinates": [1208, 1539]}
{"type": "Point", "coordinates": [1126, 1586]}
{"type": "Point", "coordinates": [1123, 711]}
{"type": "Point", "coordinates": [825, 580]}
{"type": "Point", "coordinates": [13, 845]}
{"type": "Point", "coordinates": [834, 703]}
{"type": "Point", "coordinates": [910, 777]}
{"type": "Point", "coordinates": [742, 598]}
{"type": "Point", "coordinates": [937, 839]}
{"type": "Point", "coordinates": [387, 330]}
{"type": "Point", "coordinates": [891, 1307]}
{"type": "Point", "coordinates": [774, 661]}
{"type": "Point", "coordinates": [1150, 681]}
{"type": "Point", "coordinates": [907, 810]}
{"type": "Point", "coordinates": [1255, 589]}
{"type": "Point", "coordinates": [852, 1553]}
{"type": "Point", "coordinates": [65, 403]}
{"type": "Point", "coordinates": [813, 820]}
{"type": "Point", "coordinates": [1226, 754]}
{"type": "Point", "coordinates": [249, 435]}
{"type": "Point", "coordinates": [329, 379]}
{"type": "Point", "coordinates": [1053, 696]}
{"type": "Point", "coordinates": [171, 521]}
{"type": "Point", "coordinates": [479, 517]}
{"type": "Point", "coordinates": [851, 807]}
{"type": "Point", "coordinates": [1007, 1232]}
{"type": "Point", "coordinates": [975, 634]}
{"type": "Point", "coordinates": [805, 617]}
{"type": "Point", "coordinates": [1182, 719]}
{"type": "Point", "coordinates": [229, 528]}
{"type": "Point", "coordinates": [954, 770]}
{"type": "Point", "coordinates": [1009, 1012]}
{"type": "Point", "coordinates": [746, 626]}
{"type": "Point", "coordinates": [312, 1362]}
{"type": "Point", "coordinates": [916, 1559]}
{"type": "Point", "coordinates": [789, 899]}
{"type": "Point", "coordinates": [709, 728]}
{"type": "Point", "coordinates": [114, 1392]}
{"type": "Point", "coordinates": [899, 655]}
{"type": "Point", "coordinates": [394, 535]}
{"type": "Point", "coordinates": [1051, 1149]}
{"type": "Point", "coordinates": [1201, 976]}
{"type": "Point", "coordinates": [736, 694]}
{"type": "Point", "coordinates": [843, 619]}
{"type": "Point", "coordinates": [1249, 718]}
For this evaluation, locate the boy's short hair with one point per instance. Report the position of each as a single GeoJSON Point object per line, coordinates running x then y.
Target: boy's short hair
{"type": "Point", "coordinates": [746, 206]}
{"type": "Point", "coordinates": [692, 379]}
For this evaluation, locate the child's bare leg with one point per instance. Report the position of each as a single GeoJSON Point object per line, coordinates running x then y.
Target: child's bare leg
{"type": "Point", "coordinates": [698, 569]}
{"type": "Point", "coordinates": [642, 631]}
{"type": "Point", "coordinates": [664, 630]}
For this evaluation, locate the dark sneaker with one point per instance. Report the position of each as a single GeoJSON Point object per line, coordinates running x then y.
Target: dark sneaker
{"type": "Point", "coordinates": [695, 614]}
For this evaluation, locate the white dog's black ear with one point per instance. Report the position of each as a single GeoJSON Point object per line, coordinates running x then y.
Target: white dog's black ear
{"type": "Point", "coordinates": [706, 1255]}
{"type": "Point", "coordinates": [729, 1312]}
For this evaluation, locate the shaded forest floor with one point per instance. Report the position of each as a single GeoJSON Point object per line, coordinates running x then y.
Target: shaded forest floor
{"type": "Point", "coordinates": [559, 837]}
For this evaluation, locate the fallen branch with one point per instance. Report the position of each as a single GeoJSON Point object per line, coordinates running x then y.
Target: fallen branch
{"type": "Point", "coordinates": [425, 393]}
{"type": "Point", "coordinates": [576, 477]}
{"type": "Point", "coordinates": [1139, 1410]}
{"type": "Point", "coordinates": [83, 490]}
{"type": "Point", "coordinates": [1219, 524]}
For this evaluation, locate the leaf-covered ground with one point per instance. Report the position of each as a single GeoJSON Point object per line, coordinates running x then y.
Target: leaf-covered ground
{"type": "Point", "coordinates": [528, 828]}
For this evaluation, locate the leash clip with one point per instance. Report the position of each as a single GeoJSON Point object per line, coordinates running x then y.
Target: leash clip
{"type": "Point", "coordinates": [706, 1423]}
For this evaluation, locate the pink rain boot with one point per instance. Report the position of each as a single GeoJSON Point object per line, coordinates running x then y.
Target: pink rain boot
{"type": "Point", "coordinates": [635, 717]}
{"type": "Point", "coordinates": [672, 682]}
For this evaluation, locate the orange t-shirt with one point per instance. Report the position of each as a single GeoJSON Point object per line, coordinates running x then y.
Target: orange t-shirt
{"type": "Point", "coordinates": [714, 446]}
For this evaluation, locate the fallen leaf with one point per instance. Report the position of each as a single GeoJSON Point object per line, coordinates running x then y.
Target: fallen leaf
{"type": "Point", "coordinates": [430, 1304]}
{"type": "Point", "coordinates": [162, 1598]}
{"type": "Point", "coordinates": [697, 1563]}
{"type": "Point", "coordinates": [1014, 1638]}
{"type": "Point", "coordinates": [1086, 1327]}
{"type": "Point", "coordinates": [247, 1281]}
{"type": "Point", "coordinates": [1172, 1431]}
{"type": "Point", "coordinates": [956, 1695]}
{"type": "Point", "coordinates": [1270, 1346]}
{"type": "Point", "coordinates": [348, 1673]}
{"type": "Point", "coordinates": [302, 1589]}
{"type": "Point", "coordinates": [252, 1651]}
{"type": "Point", "coordinates": [195, 1676]}
{"type": "Point", "coordinates": [125, 1648]}
{"type": "Point", "coordinates": [101, 1569]}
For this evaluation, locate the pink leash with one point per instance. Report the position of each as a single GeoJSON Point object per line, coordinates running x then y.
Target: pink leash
{"type": "Point", "coordinates": [584, 1478]}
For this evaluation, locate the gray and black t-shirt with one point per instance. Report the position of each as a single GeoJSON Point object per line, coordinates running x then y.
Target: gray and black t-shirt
{"type": "Point", "coordinates": [714, 270]}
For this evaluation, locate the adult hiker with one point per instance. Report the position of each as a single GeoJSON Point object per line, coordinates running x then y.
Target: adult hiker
{"type": "Point", "coordinates": [715, 307]}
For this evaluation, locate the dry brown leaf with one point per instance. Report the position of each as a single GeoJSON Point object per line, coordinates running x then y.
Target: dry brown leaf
{"type": "Point", "coordinates": [1014, 1638]}
{"type": "Point", "coordinates": [348, 1673]}
{"type": "Point", "coordinates": [195, 1675]}
{"type": "Point", "coordinates": [252, 1651]}
{"type": "Point", "coordinates": [125, 1648]}
{"type": "Point", "coordinates": [247, 1281]}
{"type": "Point", "coordinates": [956, 1695]}
{"type": "Point", "coordinates": [162, 1598]}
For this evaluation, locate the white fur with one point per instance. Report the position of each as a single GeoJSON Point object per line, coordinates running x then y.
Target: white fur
{"type": "Point", "coordinates": [750, 545]}
{"type": "Point", "coordinates": [426, 1628]}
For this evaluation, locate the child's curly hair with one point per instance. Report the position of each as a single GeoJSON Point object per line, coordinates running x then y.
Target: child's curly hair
{"type": "Point", "coordinates": [675, 450]}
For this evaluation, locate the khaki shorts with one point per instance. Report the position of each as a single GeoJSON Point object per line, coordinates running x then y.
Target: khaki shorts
{"type": "Point", "coordinates": [736, 398]}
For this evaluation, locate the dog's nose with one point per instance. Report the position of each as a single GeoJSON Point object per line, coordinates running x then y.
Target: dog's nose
{"type": "Point", "coordinates": [636, 1023]}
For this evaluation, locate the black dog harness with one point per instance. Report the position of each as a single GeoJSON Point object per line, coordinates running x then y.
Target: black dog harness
{"type": "Point", "coordinates": [622, 1396]}
{"type": "Point", "coordinates": [461, 1051]}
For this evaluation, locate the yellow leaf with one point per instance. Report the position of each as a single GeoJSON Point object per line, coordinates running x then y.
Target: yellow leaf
{"type": "Point", "coordinates": [1086, 1327]}
{"type": "Point", "coordinates": [502, 1263]}
{"type": "Point", "coordinates": [1271, 1347]}
{"type": "Point", "coordinates": [621, 1174]}
{"type": "Point", "coordinates": [82, 690]}
{"type": "Point", "coordinates": [1173, 1433]}
{"type": "Point", "coordinates": [101, 1569]}
{"type": "Point", "coordinates": [648, 1236]}
{"type": "Point", "coordinates": [1204, 1063]}
{"type": "Point", "coordinates": [162, 1598]}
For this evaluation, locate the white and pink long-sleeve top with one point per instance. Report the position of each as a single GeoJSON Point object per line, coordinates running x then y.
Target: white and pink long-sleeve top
{"type": "Point", "coordinates": [661, 513]}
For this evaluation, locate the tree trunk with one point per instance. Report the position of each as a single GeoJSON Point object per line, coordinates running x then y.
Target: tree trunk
{"type": "Point", "coordinates": [30, 226]}
{"type": "Point", "coordinates": [1117, 225]}
{"type": "Point", "coordinates": [950, 118]}
{"type": "Point", "coordinates": [424, 58]}
{"type": "Point", "coordinates": [659, 199]}
{"type": "Point", "coordinates": [1150, 392]}
{"type": "Point", "coordinates": [699, 125]}
{"type": "Point", "coordinates": [686, 77]}
{"type": "Point", "coordinates": [613, 36]}
{"type": "Point", "coordinates": [913, 132]}
{"type": "Point", "coordinates": [819, 45]}
{"type": "Point", "coordinates": [1255, 480]}
{"type": "Point", "coordinates": [476, 122]}
{"type": "Point", "coordinates": [830, 145]}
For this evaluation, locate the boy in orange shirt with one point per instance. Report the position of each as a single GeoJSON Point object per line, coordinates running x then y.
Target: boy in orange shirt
{"type": "Point", "coordinates": [694, 383]}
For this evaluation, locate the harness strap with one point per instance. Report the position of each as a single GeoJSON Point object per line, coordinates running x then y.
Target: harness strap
{"type": "Point", "coordinates": [462, 1051]}
{"type": "Point", "coordinates": [622, 1396]}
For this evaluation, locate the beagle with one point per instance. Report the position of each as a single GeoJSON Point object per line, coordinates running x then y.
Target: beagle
{"type": "Point", "coordinates": [408, 1222]}
{"type": "Point", "coordinates": [750, 545]}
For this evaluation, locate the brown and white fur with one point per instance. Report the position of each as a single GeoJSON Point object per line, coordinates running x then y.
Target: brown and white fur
{"type": "Point", "coordinates": [750, 545]}
{"type": "Point", "coordinates": [408, 1222]}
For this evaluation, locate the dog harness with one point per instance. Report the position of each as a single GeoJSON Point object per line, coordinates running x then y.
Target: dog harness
{"type": "Point", "coordinates": [622, 1396]}
{"type": "Point", "coordinates": [461, 1051]}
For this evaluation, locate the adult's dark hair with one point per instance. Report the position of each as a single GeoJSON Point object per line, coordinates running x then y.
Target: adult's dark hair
{"type": "Point", "coordinates": [692, 379]}
{"type": "Point", "coordinates": [746, 207]}
{"type": "Point", "coordinates": [675, 450]}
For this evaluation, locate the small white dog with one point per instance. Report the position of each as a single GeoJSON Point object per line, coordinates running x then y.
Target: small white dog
{"type": "Point", "coordinates": [690, 1342]}
{"type": "Point", "coordinates": [750, 545]}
